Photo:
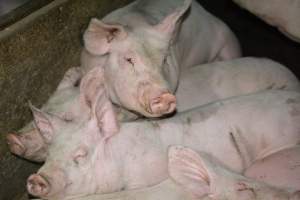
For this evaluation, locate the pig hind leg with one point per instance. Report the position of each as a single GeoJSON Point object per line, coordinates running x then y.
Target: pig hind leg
{"type": "Point", "coordinates": [230, 50]}
{"type": "Point", "coordinates": [280, 169]}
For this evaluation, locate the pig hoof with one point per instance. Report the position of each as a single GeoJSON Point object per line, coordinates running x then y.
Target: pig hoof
{"type": "Point", "coordinates": [164, 104]}
{"type": "Point", "coordinates": [15, 145]}
{"type": "Point", "coordinates": [37, 185]}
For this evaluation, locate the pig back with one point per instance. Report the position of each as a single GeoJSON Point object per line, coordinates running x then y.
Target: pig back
{"type": "Point", "coordinates": [220, 80]}
{"type": "Point", "coordinates": [238, 130]}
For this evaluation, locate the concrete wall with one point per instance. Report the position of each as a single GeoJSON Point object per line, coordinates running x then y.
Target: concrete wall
{"type": "Point", "coordinates": [34, 54]}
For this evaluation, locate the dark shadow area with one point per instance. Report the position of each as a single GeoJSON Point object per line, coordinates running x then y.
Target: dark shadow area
{"type": "Point", "coordinates": [256, 37]}
{"type": "Point", "coordinates": [14, 10]}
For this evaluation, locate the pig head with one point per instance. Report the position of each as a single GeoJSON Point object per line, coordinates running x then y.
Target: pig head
{"type": "Point", "coordinates": [138, 71]}
{"type": "Point", "coordinates": [204, 177]}
{"type": "Point", "coordinates": [76, 153]}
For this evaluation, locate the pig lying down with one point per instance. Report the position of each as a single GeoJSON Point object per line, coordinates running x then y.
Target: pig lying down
{"type": "Point", "coordinates": [211, 82]}
{"type": "Point", "coordinates": [206, 83]}
{"type": "Point", "coordinates": [102, 156]}
{"type": "Point", "coordinates": [285, 15]}
{"type": "Point", "coordinates": [205, 178]}
{"type": "Point", "coordinates": [198, 176]}
{"type": "Point", "coordinates": [145, 45]}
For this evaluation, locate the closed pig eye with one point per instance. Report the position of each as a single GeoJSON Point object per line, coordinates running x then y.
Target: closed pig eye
{"type": "Point", "coordinates": [80, 156]}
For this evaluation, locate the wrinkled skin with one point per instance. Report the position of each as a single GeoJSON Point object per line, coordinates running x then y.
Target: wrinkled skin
{"type": "Point", "coordinates": [284, 15]}
{"type": "Point", "coordinates": [136, 152]}
{"type": "Point", "coordinates": [202, 176]}
{"type": "Point", "coordinates": [142, 48]}
{"type": "Point", "coordinates": [213, 81]}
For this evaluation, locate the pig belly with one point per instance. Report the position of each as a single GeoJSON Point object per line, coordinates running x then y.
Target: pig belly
{"type": "Point", "coordinates": [281, 169]}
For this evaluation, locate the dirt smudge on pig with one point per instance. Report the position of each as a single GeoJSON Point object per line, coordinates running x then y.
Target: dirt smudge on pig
{"type": "Point", "coordinates": [207, 112]}
{"type": "Point", "coordinates": [294, 104]}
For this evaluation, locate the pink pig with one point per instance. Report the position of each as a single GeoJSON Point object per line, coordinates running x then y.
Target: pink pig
{"type": "Point", "coordinates": [144, 46]}
{"type": "Point", "coordinates": [211, 82]}
{"type": "Point", "coordinates": [95, 159]}
{"type": "Point", "coordinates": [205, 178]}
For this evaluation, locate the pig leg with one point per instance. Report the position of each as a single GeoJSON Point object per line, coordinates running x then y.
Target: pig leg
{"type": "Point", "coordinates": [230, 50]}
{"type": "Point", "coordinates": [28, 143]}
{"type": "Point", "coordinates": [280, 169]}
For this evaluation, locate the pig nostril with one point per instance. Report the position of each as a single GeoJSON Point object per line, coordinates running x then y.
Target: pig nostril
{"type": "Point", "coordinates": [37, 185]}
{"type": "Point", "coordinates": [164, 104]}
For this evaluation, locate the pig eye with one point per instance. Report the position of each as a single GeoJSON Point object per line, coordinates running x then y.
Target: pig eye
{"type": "Point", "coordinates": [80, 156]}
{"type": "Point", "coordinates": [129, 60]}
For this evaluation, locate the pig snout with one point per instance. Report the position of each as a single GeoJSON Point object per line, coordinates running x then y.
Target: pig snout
{"type": "Point", "coordinates": [38, 186]}
{"type": "Point", "coordinates": [155, 100]}
{"type": "Point", "coordinates": [46, 185]}
{"type": "Point", "coordinates": [162, 104]}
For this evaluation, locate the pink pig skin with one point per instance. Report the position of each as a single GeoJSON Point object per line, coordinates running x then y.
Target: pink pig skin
{"type": "Point", "coordinates": [202, 176]}
{"type": "Point", "coordinates": [96, 159]}
{"type": "Point", "coordinates": [196, 175]}
{"type": "Point", "coordinates": [279, 169]}
{"type": "Point", "coordinates": [145, 45]}
{"type": "Point", "coordinates": [211, 82]}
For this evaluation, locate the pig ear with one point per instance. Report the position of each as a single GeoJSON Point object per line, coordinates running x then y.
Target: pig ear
{"type": "Point", "coordinates": [169, 23]}
{"type": "Point", "coordinates": [106, 116]}
{"type": "Point", "coordinates": [186, 168]}
{"type": "Point", "coordinates": [91, 84]}
{"type": "Point", "coordinates": [94, 95]}
{"type": "Point", "coordinates": [98, 36]}
{"type": "Point", "coordinates": [45, 123]}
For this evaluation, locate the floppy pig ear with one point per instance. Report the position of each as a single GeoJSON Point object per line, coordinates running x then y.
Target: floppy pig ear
{"type": "Point", "coordinates": [94, 95]}
{"type": "Point", "coordinates": [44, 122]}
{"type": "Point", "coordinates": [91, 84]}
{"type": "Point", "coordinates": [186, 168]}
{"type": "Point", "coordinates": [168, 24]}
{"type": "Point", "coordinates": [98, 36]}
{"type": "Point", "coordinates": [106, 116]}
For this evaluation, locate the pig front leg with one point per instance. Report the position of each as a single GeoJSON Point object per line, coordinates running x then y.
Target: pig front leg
{"type": "Point", "coordinates": [281, 169]}
{"type": "Point", "coordinates": [28, 143]}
